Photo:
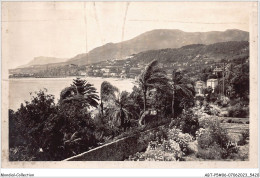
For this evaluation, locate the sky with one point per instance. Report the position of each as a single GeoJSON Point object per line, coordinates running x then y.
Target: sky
{"type": "Point", "coordinates": [66, 29]}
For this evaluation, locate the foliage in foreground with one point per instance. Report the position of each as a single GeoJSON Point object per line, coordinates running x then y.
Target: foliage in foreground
{"type": "Point", "coordinates": [214, 141]}
{"type": "Point", "coordinates": [187, 122]}
{"type": "Point", "coordinates": [165, 145]}
{"type": "Point", "coordinates": [43, 130]}
{"type": "Point", "coordinates": [54, 132]}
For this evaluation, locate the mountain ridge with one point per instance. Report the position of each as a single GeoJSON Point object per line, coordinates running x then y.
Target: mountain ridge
{"type": "Point", "coordinates": [157, 39]}
{"type": "Point", "coordinates": [153, 40]}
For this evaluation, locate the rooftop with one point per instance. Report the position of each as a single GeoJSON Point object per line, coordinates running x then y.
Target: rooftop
{"type": "Point", "coordinates": [212, 80]}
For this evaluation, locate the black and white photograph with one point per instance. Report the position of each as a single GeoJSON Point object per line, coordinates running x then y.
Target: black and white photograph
{"type": "Point", "coordinates": [129, 82]}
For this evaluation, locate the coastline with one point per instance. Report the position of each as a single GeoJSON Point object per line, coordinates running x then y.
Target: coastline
{"type": "Point", "coordinates": [55, 85]}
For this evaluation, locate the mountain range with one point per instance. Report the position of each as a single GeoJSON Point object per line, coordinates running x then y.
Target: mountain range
{"type": "Point", "coordinates": [151, 40]}
{"type": "Point", "coordinates": [183, 57]}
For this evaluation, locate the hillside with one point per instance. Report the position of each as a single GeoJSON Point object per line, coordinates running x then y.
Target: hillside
{"type": "Point", "coordinates": [151, 40]}
{"type": "Point", "coordinates": [186, 57]}
{"type": "Point", "coordinates": [196, 53]}
{"type": "Point", "coordinates": [156, 39]}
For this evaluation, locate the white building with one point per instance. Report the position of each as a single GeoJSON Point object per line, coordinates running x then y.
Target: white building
{"type": "Point", "coordinates": [212, 83]}
{"type": "Point", "coordinates": [106, 70]}
{"type": "Point", "coordinates": [82, 73]}
{"type": "Point", "coordinates": [199, 88]}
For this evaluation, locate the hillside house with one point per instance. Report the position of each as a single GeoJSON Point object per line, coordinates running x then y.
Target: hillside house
{"type": "Point", "coordinates": [106, 74]}
{"type": "Point", "coordinates": [217, 70]}
{"type": "Point", "coordinates": [96, 70]}
{"type": "Point", "coordinates": [82, 73]}
{"type": "Point", "coordinates": [113, 74]}
{"type": "Point", "coordinates": [105, 70]}
{"type": "Point", "coordinates": [199, 88]}
{"type": "Point", "coordinates": [135, 70]}
{"type": "Point", "coordinates": [212, 83]}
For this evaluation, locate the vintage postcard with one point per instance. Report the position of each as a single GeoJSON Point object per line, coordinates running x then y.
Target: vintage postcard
{"type": "Point", "coordinates": [129, 84]}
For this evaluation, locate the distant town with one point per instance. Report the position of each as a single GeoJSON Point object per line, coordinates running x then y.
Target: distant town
{"type": "Point", "coordinates": [115, 68]}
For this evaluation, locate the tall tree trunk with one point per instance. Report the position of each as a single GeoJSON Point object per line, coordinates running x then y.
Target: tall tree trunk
{"type": "Point", "coordinates": [102, 107]}
{"type": "Point", "coordinates": [144, 113]}
{"type": "Point", "coordinates": [173, 95]}
{"type": "Point", "coordinates": [144, 100]}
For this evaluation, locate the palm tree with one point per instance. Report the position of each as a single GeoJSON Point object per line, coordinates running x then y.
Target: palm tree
{"type": "Point", "coordinates": [107, 92]}
{"type": "Point", "coordinates": [184, 89]}
{"type": "Point", "coordinates": [119, 113]}
{"type": "Point", "coordinates": [80, 93]}
{"type": "Point", "coordinates": [152, 77]}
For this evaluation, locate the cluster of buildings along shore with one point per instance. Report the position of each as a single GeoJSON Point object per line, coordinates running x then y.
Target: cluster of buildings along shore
{"type": "Point", "coordinates": [125, 69]}
{"type": "Point", "coordinates": [118, 68]}
{"type": "Point", "coordinates": [130, 69]}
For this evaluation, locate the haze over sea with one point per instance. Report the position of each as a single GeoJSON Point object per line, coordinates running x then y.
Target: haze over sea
{"type": "Point", "coordinates": [19, 89]}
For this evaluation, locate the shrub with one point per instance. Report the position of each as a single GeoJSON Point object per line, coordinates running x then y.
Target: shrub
{"type": "Point", "coordinates": [181, 138]}
{"type": "Point", "coordinates": [212, 152]}
{"type": "Point", "coordinates": [213, 139]}
{"type": "Point", "coordinates": [207, 109]}
{"type": "Point", "coordinates": [229, 121]}
{"type": "Point", "coordinates": [238, 111]}
{"type": "Point", "coordinates": [244, 137]}
{"type": "Point", "coordinates": [188, 122]}
{"type": "Point", "coordinates": [157, 135]}
{"type": "Point", "coordinates": [222, 101]}
{"type": "Point", "coordinates": [165, 151]}
{"type": "Point", "coordinates": [230, 151]}
{"type": "Point", "coordinates": [205, 139]}
{"type": "Point", "coordinates": [21, 153]}
{"type": "Point", "coordinates": [215, 134]}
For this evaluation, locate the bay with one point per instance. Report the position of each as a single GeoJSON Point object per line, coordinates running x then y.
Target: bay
{"type": "Point", "coordinates": [20, 89]}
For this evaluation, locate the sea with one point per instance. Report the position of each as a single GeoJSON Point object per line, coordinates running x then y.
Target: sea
{"type": "Point", "coordinates": [22, 89]}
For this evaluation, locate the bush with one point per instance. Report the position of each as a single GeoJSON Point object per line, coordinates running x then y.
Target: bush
{"type": "Point", "coordinates": [21, 153]}
{"type": "Point", "coordinates": [212, 133]}
{"type": "Point", "coordinates": [212, 139]}
{"type": "Point", "coordinates": [230, 151]}
{"type": "Point", "coordinates": [188, 122]}
{"type": "Point", "coordinates": [182, 139]}
{"type": "Point", "coordinates": [164, 145]}
{"type": "Point", "coordinates": [212, 152]}
{"type": "Point", "coordinates": [230, 121]}
{"type": "Point", "coordinates": [166, 151]}
{"type": "Point", "coordinates": [222, 101]}
{"type": "Point", "coordinates": [238, 111]}
{"type": "Point", "coordinates": [244, 137]}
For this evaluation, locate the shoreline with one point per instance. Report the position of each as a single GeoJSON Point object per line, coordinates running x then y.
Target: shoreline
{"type": "Point", "coordinates": [54, 86]}
{"type": "Point", "coordinates": [69, 77]}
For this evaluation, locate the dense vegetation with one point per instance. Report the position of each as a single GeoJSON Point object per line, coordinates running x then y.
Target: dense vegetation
{"type": "Point", "coordinates": [196, 53]}
{"type": "Point", "coordinates": [44, 130]}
